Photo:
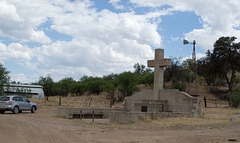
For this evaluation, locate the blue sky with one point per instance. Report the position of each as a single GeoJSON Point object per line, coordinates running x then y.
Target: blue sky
{"type": "Point", "coordinates": [72, 38]}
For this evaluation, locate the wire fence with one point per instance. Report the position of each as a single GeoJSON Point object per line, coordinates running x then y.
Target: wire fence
{"type": "Point", "coordinates": [217, 103]}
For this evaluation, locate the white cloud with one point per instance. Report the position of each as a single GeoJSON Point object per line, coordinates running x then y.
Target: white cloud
{"type": "Point", "coordinates": [175, 38]}
{"type": "Point", "coordinates": [20, 19]}
{"type": "Point", "coordinates": [107, 26]}
{"type": "Point", "coordinates": [15, 52]}
{"type": "Point", "coordinates": [8, 12]}
{"type": "Point", "coordinates": [96, 58]}
{"type": "Point", "coordinates": [116, 4]}
{"type": "Point", "coordinates": [24, 78]}
{"type": "Point", "coordinates": [103, 42]}
{"type": "Point", "coordinates": [219, 17]}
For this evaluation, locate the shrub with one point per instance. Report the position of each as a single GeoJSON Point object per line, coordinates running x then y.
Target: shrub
{"type": "Point", "coordinates": [234, 98]}
{"type": "Point", "coordinates": [178, 85]}
{"type": "Point", "coordinates": [127, 84]}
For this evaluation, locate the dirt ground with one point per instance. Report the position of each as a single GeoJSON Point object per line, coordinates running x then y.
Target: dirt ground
{"type": "Point", "coordinates": [217, 125]}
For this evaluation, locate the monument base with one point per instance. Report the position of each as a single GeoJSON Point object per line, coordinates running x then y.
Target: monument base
{"type": "Point", "coordinates": [169, 103]}
{"type": "Point", "coordinates": [124, 117]}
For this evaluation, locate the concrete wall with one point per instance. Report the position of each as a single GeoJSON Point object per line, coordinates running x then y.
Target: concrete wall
{"type": "Point", "coordinates": [131, 117]}
{"type": "Point", "coordinates": [69, 112]}
{"type": "Point", "coordinates": [177, 101]}
{"type": "Point", "coordinates": [137, 98]}
{"type": "Point", "coordinates": [151, 106]}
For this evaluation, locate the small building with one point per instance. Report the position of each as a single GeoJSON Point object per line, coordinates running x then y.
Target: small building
{"type": "Point", "coordinates": [32, 91]}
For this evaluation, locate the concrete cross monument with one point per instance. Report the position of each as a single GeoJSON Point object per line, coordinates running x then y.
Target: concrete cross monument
{"type": "Point", "coordinates": [158, 101]}
{"type": "Point", "coordinates": [158, 63]}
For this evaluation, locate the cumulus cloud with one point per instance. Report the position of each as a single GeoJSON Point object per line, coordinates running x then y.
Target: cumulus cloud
{"type": "Point", "coordinates": [77, 58]}
{"type": "Point", "coordinates": [175, 38]}
{"type": "Point", "coordinates": [103, 42]}
{"type": "Point", "coordinates": [20, 19]}
{"type": "Point", "coordinates": [219, 17]}
{"type": "Point", "coordinates": [15, 52]}
{"type": "Point", "coordinates": [116, 4]}
{"type": "Point", "coordinates": [107, 26]}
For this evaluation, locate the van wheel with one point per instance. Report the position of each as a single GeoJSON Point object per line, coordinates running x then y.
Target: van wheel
{"type": "Point", "coordinates": [15, 110]}
{"type": "Point", "coordinates": [2, 112]}
{"type": "Point", "coordinates": [33, 109]}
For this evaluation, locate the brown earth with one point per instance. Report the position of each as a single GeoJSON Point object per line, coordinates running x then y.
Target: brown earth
{"type": "Point", "coordinates": [217, 125]}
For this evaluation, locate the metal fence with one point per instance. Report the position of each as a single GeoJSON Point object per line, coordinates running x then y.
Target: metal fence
{"type": "Point", "coordinates": [216, 103]}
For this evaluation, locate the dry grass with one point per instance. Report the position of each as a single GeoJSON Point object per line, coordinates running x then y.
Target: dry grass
{"type": "Point", "coordinates": [211, 117]}
{"type": "Point", "coordinates": [84, 101]}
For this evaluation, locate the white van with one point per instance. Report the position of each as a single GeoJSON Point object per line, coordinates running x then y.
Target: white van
{"type": "Point", "coordinates": [32, 91]}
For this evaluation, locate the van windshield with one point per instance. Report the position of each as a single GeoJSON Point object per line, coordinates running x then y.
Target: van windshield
{"type": "Point", "coordinates": [4, 98]}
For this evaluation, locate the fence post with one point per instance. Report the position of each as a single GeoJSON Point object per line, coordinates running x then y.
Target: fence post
{"type": "Point", "coordinates": [92, 116]}
{"type": "Point", "coordinates": [60, 101]}
{"type": "Point", "coordinates": [80, 114]}
{"type": "Point", "coordinates": [229, 102]}
{"type": "Point", "coordinates": [205, 101]}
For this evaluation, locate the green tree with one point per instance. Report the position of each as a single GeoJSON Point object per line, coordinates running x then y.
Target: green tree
{"type": "Point", "coordinates": [189, 73]}
{"type": "Point", "coordinates": [84, 78]}
{"type": "Point", "coordinates": [226, 59]}
{"type": "Point", "coordinates": [112, 78]}
{"type": "Point", "coordinates": [110, 89]}
{"type": "Point", "coordinates": [127, 84]}
{"type": "Point", "coordinates": [234, 98]}
{"type": "Point", "coordinates": [47, 83]}
{"type": "Point", "coordinates": [63, 86]}
{"type": "Point", "coordinates": [78, 88]}
{"type": "Point", "coordinates": [147, 79]}
{"type": "Point", "coordinates": [173, 71]}
{"type": "Point", "coordinates": [205, 68]}
{"type": "Point", "coordinates": [4, 77]}
{"type": "Point", "coordinates": [141, 69]}
{"type": "Point", "coordinates": [94, 85]}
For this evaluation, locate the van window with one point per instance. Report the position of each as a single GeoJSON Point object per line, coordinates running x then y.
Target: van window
{"type": "Point", "coordinates": [5, 99]}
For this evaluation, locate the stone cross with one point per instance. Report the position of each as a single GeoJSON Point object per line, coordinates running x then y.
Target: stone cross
{"type": "Point", "coordinates": [158, 63]}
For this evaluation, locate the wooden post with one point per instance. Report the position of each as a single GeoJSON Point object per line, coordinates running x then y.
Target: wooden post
{"type": "Point", "coordinates": [92, 116]}
{"type": "Point", "coordinates": [151, 111]}
{"type": "Point", "coordinates": [205, 101]}
{"type": "Point", "coordinates": [60, 101]}
{"type": "Point", "coordinates": [215, 102]}
{"type": "Point", "coordinates": [229, 102]}
{"type": "Point", "coordinates": [80, 114]}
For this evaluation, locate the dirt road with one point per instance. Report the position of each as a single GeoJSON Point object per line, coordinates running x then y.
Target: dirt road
{"type": "Point", "coordinates": [44, 127]}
